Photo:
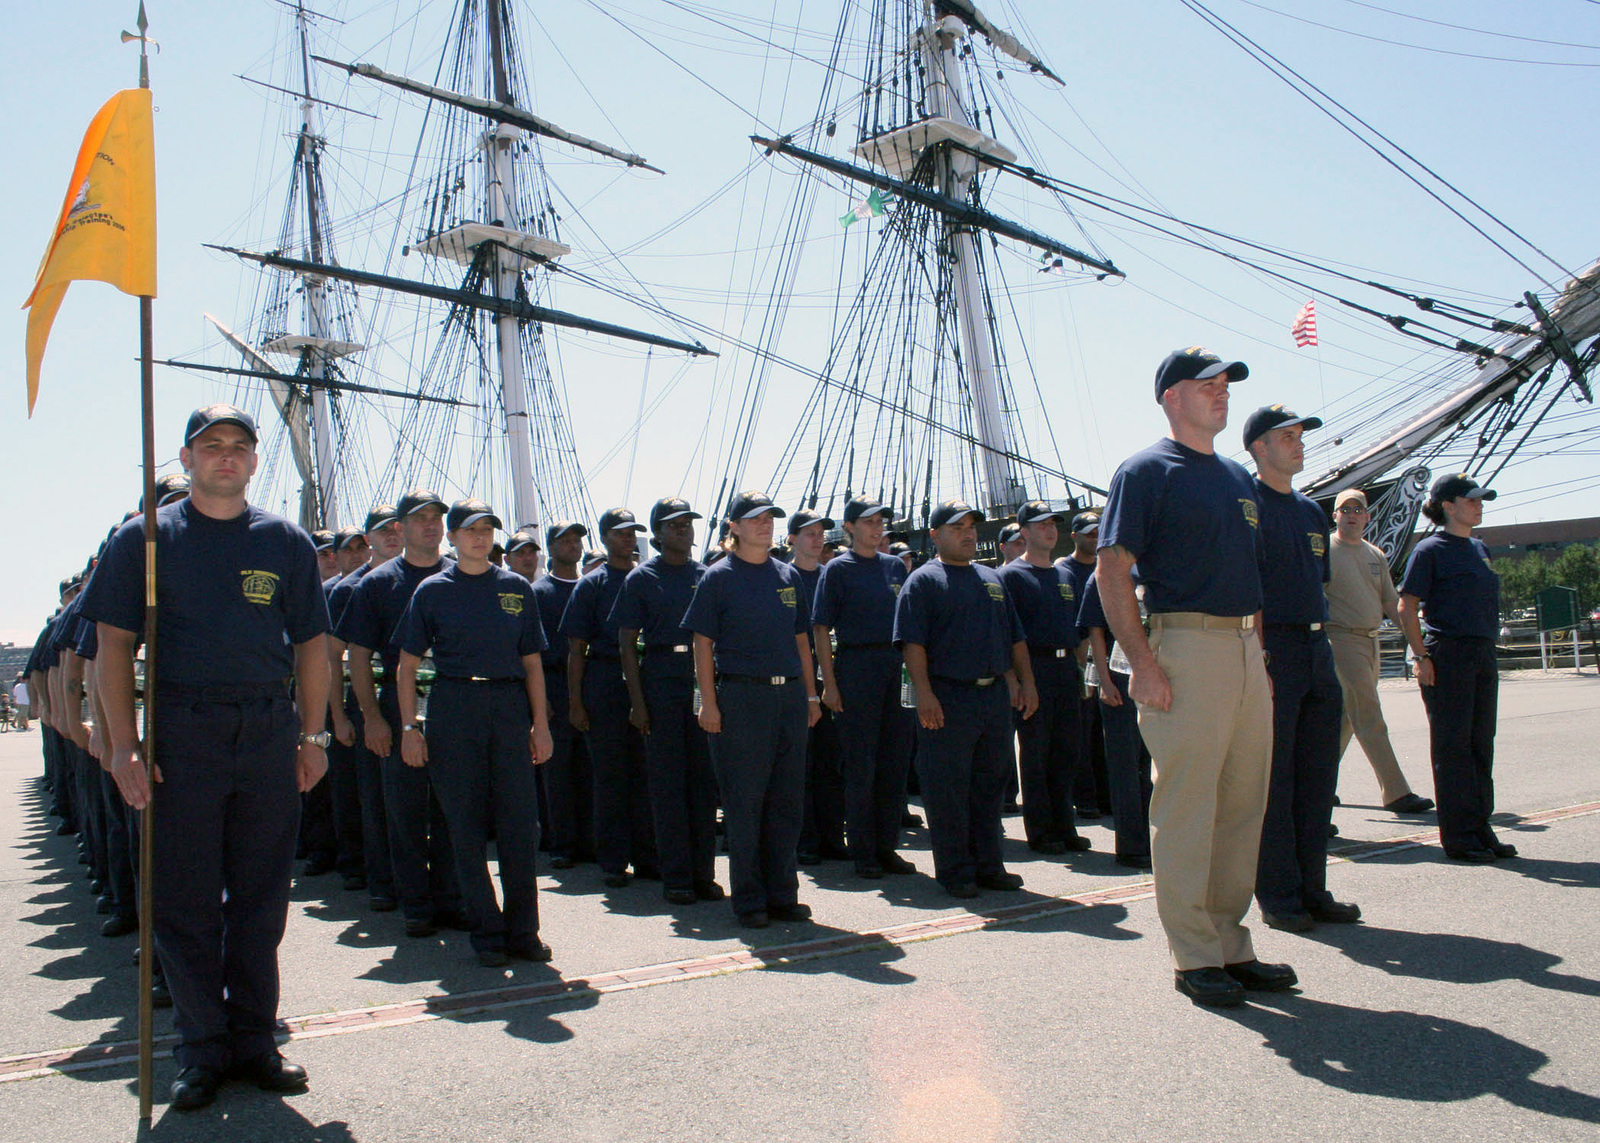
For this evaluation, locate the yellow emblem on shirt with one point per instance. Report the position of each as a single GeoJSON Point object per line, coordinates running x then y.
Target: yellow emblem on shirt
{"type": "Point", "coordinates": [1066, 592]}
{"type": "Point", "coordinates": [996, 592]}
{"type": "Point", "coordinates": [787, 597]}
{"type": "Point", "coordinates": [1319, 544]}
{"type": "Point", "coordinates": [258, 586]}
{"type": "Point", "coordinates": [1248, 507]}
{"type": "Point", "coordinates": [511, 602]}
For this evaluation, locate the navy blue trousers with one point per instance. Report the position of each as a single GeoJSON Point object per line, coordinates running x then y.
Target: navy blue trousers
{"type": "Point", "coordinates": [1049, 745]}
{"type": "Point", "coordinates": [683, 789]}
{"type": "Point", "coordinates": [568, 778]}
{"type": "Point", "coordinates": [875, 741]}
{"type": "Point", "coordinates": [91, 810]}
{"type": "Point", "coordinates": [1307, 704]}
{"type": "Point", "coordinates": [1463, 706]}
{"type": "Point", "coordinates": [63, 783]}
{"type": "Point", "coordinates": [120, 854]}
{"type": "Point", "coordinates": [344, 794]}
{"type": "Point", "coordinates": [374, 811]}
{"type": "Point", "coordinates": [623, 827]}
{"type": "Point", "coordinates": [420, 853]}
{"type": "Point", "coordinates": [760, 760]}
{"type": "Point", "coordinates": [483, 774]}
{"type": "Point", "coordinates": [1127, 772]}
{"type": "Point", "coordinates": [225, 818]}
{"type": "Point", "coordinates": [963, 768]}
{"type": "Point", "coordinates": [822, 825]}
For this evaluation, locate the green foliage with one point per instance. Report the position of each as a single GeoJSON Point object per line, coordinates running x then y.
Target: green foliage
{"type": "Point", "coordinates": [1523, 577]}
{"type": "Point", "coordinates": [1579, 567]}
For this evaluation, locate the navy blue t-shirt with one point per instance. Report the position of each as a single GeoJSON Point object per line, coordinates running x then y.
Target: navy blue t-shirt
{"type": "Point", "coordinates": [654, 599]}
{"type": "Point", "coordinates": [552, 594]}
{"type": "Point", "coordinates": [1295, 532]}
{"type": "Point", "coordinates": [1190, 519]}
{"type": "Point", "coordinates": [810, 578]}
{"type": "Point", "coordinates": [1046, 601]}
{"type": "Point", "coordinates": [1460, 592]}
{"type": "Point", "coordinates": [588, 614]}
{"type": "Point", "coordinates": [233, 597]}
{"type": "Point", "coordinates": [962, 615]}
{"type": "Point", "coordinates": [371, 618]}
{"type": "Point", "coordinates": [86, 643]}
{"type": "Point", "coordinates": [64, 631]}
{"type": "Point", "coordinates": [476, 625]}
{"type": "Point", "coordinates": [856, 595]}
{"type": "Point", "coordinates": [341, 591]}
{"type": "Point", "coordinates": [751, 612]}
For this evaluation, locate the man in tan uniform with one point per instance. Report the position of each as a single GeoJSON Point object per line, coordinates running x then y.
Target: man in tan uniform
{"type": "Point", "coordinates": [1360, 593]}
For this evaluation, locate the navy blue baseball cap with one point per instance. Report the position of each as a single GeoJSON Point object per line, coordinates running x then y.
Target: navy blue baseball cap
{"type": "Point", "coordinates": [344, 535]}
{"type": "Point", "coordinates": [523, 539]}
{"type": "Point", "coordinates": [560, 528]}
{"type": "Point", "coordinates": [748, 504]}
{"type": "Point", "coordinates": [1269, 417]}
{"type": "Point", "coordinates": [380, 515]}
{"type": "Point", "coordinates": [1195, 364]}
{"type": "Point", "coordinates": [618, 518]}
{"type": "Point", "coordinates": [805, 517]}
{"type": "Point", "coordinates": [1036, 511]}
{"type": "Point", "coordinates": [418, 499]}
{"type": "Point", "coordinates": [171, 488]}
{"type": "Point", "coordinates": [465, 513]}
{"type": "Point", "coordinates": [203, 418]}
{"type": "Point", "coordinates": [865, 506]}
{"type": "Point", "coordinates": [1459, 484]}
{"type": "Point", "coordinates": [1010, 533]}
{"type": "Point", "coordinates": [1086, 523]}
{"type": "Point", "coordinates": [949, 511]}
{"type": "Point", "coordinates": [322, 540]}
{"type": "Point", "coordinates": [671, 508]}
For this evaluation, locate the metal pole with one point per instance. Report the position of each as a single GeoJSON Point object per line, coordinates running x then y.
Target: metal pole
{"type": "Point", "coordinates": [315, 297]}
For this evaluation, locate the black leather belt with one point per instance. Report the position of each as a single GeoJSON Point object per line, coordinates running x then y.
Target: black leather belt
{"type": "Point", "coordinates": [866, 646]}
{"type": "Point", "coordinates": [1297, 628]}
{"type": "Point", "coordinates": [987, 681]}
{"type": "Point", "coordinates": [477, 679]}
{"type": "Point", "coordinates": [1049, 652]}
{"type": "Point", "coordinates": [228, 693]}
{"type": "Point", "coordinates": [760, 680]}
{"type": "Point", "coordinates": [668, 649]}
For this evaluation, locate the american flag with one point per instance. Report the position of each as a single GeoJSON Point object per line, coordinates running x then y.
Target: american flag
{"type": "Point", "coordinates": [1304, 329]}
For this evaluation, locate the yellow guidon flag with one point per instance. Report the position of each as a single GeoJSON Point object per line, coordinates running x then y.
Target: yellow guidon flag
{"type": "Point", "coordinates": [107, 228]}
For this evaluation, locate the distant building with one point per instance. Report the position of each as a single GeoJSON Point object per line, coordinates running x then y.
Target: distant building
{"type": "Point", "coordinates": [12, 660]}
{"type": "Point", "coordinates": [1549, 538]}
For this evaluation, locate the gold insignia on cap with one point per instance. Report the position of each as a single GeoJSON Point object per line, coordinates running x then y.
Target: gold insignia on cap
{"type": "Point", "coordinates": [258, 586]}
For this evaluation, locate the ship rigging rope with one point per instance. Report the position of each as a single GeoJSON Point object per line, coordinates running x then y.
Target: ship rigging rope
{"type": "Point", "coordinates": [1468, 28]}
{"type": "Point", "coordinates": [1300, 83]}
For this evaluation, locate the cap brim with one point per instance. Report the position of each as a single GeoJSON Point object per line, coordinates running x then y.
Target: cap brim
{"type": "Point", "coordinates": [1088, 529]}
{"type": "Point", "coordinates": [475, 517]}
{"type": "Point", "coordinates": [440, 504]}
{"type": "Point", "coordinates": [249, 429]}
{"type": "Point", "coordinates": [1236, 371]}
{"type": "Point", "coordinates": [959, 516]}
{"type": "Point", "coordinates": [777, 513]}
{"type": "Point", "coordinates": [1481, 493]}
{"type": "Point", "coordinates": [171, 498]}
{"type": "Point", "coordinates": [1056, 516]}
{"type": "Point", "coordinates": [679, 515]}
{"type": "Point", "coordinates": [381, 522]}
{"type": "Point", "coordinates": [885, 510]}
{"type": "Point", "coordinates": [534, 544]}
{"type": "Point", "coordinates": [634, 526]}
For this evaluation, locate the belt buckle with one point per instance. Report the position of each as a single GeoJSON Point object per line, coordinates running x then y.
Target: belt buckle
{"type": "Point", "coordinates": [1247, 622]}
{"type": "Point", "coordinates": [988, 682]}
{"type": "Point", "coordinates": [776, 680]}
{"type": "Point", "coordinates": [1316, 627]}
{"type": "Point", "coordinates": [1060, 652]}
{"type": "Point", "coordinates": [679, 649]}
{"type": "Point", "coordinates": [477, 679]}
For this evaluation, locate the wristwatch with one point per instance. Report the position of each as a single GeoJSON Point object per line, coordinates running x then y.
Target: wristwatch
{"type": "Point", "coordinates": [409, 726]}
{"type": "Point", "coordinates": [319, 739]}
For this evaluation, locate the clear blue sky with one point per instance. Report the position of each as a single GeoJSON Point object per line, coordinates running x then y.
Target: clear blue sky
{"type": "Point", "coordinates": [1155, 106]}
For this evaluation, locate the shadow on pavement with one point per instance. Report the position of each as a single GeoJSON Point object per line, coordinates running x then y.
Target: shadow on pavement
{"type": "Point", "coordinates": [1406, 1055]}
{"type": "Point", "coordinates": [1451, 958]}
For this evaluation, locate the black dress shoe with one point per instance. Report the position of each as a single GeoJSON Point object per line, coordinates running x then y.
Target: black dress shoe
{"type": "Point", "coordinates": [1050, 848]}
{"type": "Point", "coordinates": [97, 887]}
{"type": "Point", "coordinates": [1410, 804]}
{"type": "Point", "coordinates": [679, 896]}
{"type": "Point", "coordinates": [617, 880]}
{"type": "Point", "coordinates": [1011, 809]}
{"type": "Point", "coordinates": [1004, 882]}
{"type": "Point", "coordinates": [962, 890]}
{"type": "Point", "coordinates": [493, 958]}
{"type": "Point", "coordinates": [534, 950]}
{"type": "Point", "coordinates": [119, 925]}
{"type": "Point", "coordinates": [808, 857]}
{"type": "Point", "coordinates": [195, 1087]}
{"type": "Point", "coordinates": [270, 1072]}
{"type": "Point", "coordinates": [1335, 913]}
{"type": "Point", "coordinates": [1501, 849]}
{"type": "Point", "coordinates": [708, 891]}
{"type": "Point", "coordinates": [355, 881]}
{"type": "Point", "coordinates": [754, 919]}
{"type": "Point", "coordinates": [105, 903]}
{"type": "Point", "coordinates": [908, 820]}
{"type": "Point", "coordinates": [320, 864]}
{"type": "Point", "coordinates": [834, 853]}
{"type": "Point", "coordinates": [870, 870]}
{"type": "Point", "coordinates": [647, 872]}
{"type": "Point", "coordinates": [891, 862]}
{"type": "Point", "coordinates": [562, 861]}
{"type": "Point", "coordinates": [1258, 977]}
{"type": "Point", "coordinates": [1211, 987]}
{"type": "Point", "coordinates": [1135, 861]}
{"type": "Point", "coordinates": [421, 927]}
{"type": "Point", "coordinates": [1289, 922]}
{"type": "Point", "coordinates": [1471, 856]}
{"type": "Point", "coordinates": [453, 919]}
{"type": "Point", "coordinates": [382, 904]}
{"type": "Point", "coordinates": [66, 829]}
{"type": "Point", "coordinates": [1089, 814]}
{"type": "Point", "coordinates": [1333, 830]}
{"type": "Point", "coordinates": [796, 912]}
{"type": "Point", "coordinates": [1078, 844]}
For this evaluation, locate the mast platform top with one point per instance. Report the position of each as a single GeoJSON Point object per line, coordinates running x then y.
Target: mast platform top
{"type": "Point", "coordinates": [898, 151]}
{"type": "Point", "coordinates": [460, 243]}
{"type": "Point", "coordinates": [327, 346]}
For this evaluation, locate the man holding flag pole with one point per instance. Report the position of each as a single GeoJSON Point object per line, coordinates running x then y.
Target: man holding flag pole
{"type": "Point", "coordinates": [218, 791]}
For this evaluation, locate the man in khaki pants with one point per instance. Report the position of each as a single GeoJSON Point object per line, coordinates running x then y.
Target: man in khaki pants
{"type": "Point", "coordinates": [1190, 520]}
{"type": "Point", "coordinates": [1360, 593]}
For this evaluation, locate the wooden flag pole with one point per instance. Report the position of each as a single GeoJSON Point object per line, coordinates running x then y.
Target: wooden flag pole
{"type": "Point", "coordinates": [147, 953]}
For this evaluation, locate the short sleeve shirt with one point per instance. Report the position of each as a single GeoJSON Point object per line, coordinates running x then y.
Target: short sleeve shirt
{"type": "Point", "coordinates": [372, 617]}
{"type": "Point", "coordinates": [962, 615]}
{"type": "Point", "coordinates": [1191, 520]}
{"type": "Point", "coordinates": [475, 625]}
{"type": "Point", "coordinates": [1295, 532]}
{"type": "Point", "coordinates": [1460, 592]}
{"type": "Point", "coordinates": [233, 597]}
{"type": "Point", "coordinates": [1046, 600]}
{"type": "Point", "coordinates": [552, 594]}
{"type": "Point", "coordinates": [654, 599]}
{"type": "Point", "coordinates": [856, 597]}
{"type": "Point", "coordinates": [1360, 589]}
{"type": "Point", "coordinates": [751, 613]}
{"type": "Point", "coordinates": [588, 614]}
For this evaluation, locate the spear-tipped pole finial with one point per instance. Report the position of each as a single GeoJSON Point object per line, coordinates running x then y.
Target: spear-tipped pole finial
{"type": "Point", "coordinates": [145, 42]}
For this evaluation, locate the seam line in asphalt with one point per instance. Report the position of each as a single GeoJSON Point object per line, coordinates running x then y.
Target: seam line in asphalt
{"type": "Point", "coordinates": [110, 1053]}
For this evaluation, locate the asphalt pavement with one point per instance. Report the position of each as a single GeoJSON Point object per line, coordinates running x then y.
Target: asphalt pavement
{"type": "Point", "coordinates": [1465, 1006]}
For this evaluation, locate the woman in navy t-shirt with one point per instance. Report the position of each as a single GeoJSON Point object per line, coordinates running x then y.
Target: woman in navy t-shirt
{"type": "Point", "coordinates": [758, 697]}
{"type": "Point", "coordinates": [487, 727]}
{"type": "Point", "coordinates": [1450, 582]}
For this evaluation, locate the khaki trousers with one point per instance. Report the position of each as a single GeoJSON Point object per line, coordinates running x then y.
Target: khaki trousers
{"type": "Point", "coordinates": [1355, 659]}
{"type": "Point", "coordinates": [1212, 755]}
